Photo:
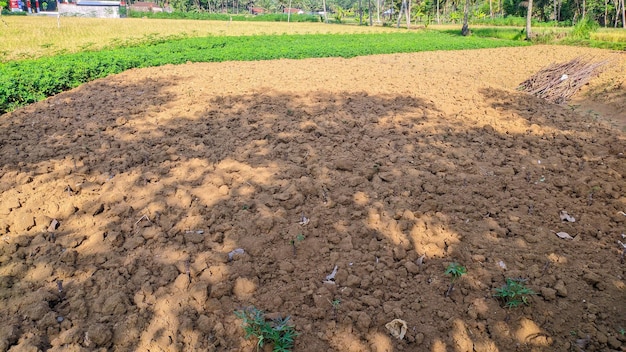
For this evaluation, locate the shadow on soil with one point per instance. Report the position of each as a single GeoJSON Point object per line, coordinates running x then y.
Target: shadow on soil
{"type": "Point", "coordinates": [151, 210]}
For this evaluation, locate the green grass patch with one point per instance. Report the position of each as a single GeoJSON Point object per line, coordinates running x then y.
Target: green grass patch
{"type": "Point", "coordinates": [515, 21]}
{"type": "Point", "coordinates": [208, 16]}
{"type": "Point", "coordinates": [620, 46]}
{"type": "Point", "coordinates": [507, 33]}
{"type": "Point", "coordinates": [28, 81]}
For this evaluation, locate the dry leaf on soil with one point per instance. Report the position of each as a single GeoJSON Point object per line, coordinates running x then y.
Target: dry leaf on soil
{"type": "Point", "coordinates": [566, 217]}
{"type": "Point", "coordinates": [564, 235]}
{"type": "Point", "coordinates": [397, 328]}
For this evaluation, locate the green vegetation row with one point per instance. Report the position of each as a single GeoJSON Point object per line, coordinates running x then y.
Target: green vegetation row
{"type": "Point", "coordinates": [211, 16]}
{"type": "Point", "coordinates": [29, 81]}
{"type": "Point", "coordinates": [585, 33]}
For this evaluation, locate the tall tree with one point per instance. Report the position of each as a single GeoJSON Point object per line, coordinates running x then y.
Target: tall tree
{"type": "Point", "coordinates": [360, 13]}
{"type": "Point", "coordinates": [465, 29]}
{"type": "Point", "coordinates": [529, 16]}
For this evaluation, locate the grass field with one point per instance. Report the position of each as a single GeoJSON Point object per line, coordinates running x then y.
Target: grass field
{"type": "Point", "coordinates": [42, 56]}
{"type": "Point", "coordinates": [26, 81]}
{"type": "Point", "coordinates": [32, 37]}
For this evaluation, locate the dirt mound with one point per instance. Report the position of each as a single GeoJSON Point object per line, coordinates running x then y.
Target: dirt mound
{"type": "Point", "coordinates": [183, 193]}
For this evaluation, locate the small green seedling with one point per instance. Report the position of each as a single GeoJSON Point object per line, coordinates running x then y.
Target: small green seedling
{"type": "Point", "coordinates": [335, 303]}
{"type": "Point", "coordinates": [279, 332]}
{"type": "Point", "coordinates": [514, 293]}
{"type": "Point", "coordinates": [455, 271]}
{"type": "Point", "coordinates": [298, 239]}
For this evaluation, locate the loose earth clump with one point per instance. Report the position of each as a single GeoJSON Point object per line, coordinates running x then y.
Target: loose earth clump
{"type": "Point", "coordinates": [141, 211]}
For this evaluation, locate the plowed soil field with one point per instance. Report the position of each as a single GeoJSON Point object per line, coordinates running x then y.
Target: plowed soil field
{"type": "Point", "coordinates": [138, 212]}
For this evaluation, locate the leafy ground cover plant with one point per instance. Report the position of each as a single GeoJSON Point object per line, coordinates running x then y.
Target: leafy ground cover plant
{"type": "Point", "coordinates": [455, 271]}
{"type": "Point", "coordinates": [514, 293]}
{"type": "Point", "coordinates": [28, 81]}
{"type": "Point", "coordinates": [278, 332]}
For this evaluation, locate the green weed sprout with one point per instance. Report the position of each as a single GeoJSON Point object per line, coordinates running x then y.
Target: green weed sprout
{"type": "Point", "coordinates": [514, 293]}
{"type": "Point", "coordinates": [455, 271]}
{"type": "Point", "coordinates": [335, 303]}
{"type": "Point", "coordinates": [298, 239]}
{"type": "Point", "coordinates": [278, 332]}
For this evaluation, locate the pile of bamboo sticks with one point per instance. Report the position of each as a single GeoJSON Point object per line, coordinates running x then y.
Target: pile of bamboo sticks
{"type": "Point", "coordinates": [558, 82]}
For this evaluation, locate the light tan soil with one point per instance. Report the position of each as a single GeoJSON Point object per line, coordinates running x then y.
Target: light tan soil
{"type": "Point", "coordinates": [391, 157]}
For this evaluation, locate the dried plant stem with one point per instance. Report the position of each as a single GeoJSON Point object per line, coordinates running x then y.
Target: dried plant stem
{"type": "Point", "coordinates": [450, 288]}
{"type": "Point", "coordinates": [558, 82]}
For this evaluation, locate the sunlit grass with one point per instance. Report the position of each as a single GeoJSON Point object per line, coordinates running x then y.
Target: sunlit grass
{"type": "Point", "coordinates": [33, 37]}
{"type": "Point", "coordinates": [610, 35]}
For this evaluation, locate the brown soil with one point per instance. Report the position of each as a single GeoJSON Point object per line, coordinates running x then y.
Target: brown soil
{"type": "Point", "coordinates": [391, 157]}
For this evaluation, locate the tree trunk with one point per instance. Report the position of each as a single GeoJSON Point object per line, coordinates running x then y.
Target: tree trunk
{"type": "Point", "coordinates": [360, 13]}
{"type": "Point", "coordinates": [490, 9]}
{"type": "Point", "coordinates": [325, 14]}
{"type": "Point", "coordinates": [408, 14]}
{"type": "Point", "coordinates": [529, 16]}
{"type": "Point", "coordinates": [623, 15]}
{"type": "Point", "coordinates": [400, 14]}
{"type": "Point", "coordinates": [289, 12]}
{"type": "Point", "coordinates": [369, 12]}
{"type": "Point", "coordinates": [584, 9]}
{"type": "Point", "coordinates": [437, 11]}
{"type": "Point", "coordinates": [465, 30]}
{"type": "Point", "coordinates": [556, 15]}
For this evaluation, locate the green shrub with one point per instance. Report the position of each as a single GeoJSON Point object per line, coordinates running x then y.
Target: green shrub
{"type": "Point", "coordinates": [584, 28]}
{"type": "Point", "coordinates": [6, 12]}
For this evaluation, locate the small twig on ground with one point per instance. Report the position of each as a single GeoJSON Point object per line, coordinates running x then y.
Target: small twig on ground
{"type": "Point", "coordinates": [621, 258]}
{"type": "Point", "coordinates": [450, 288]}
{"type": "Point", "coordinates": [545, 268]}
{"type": "Point", "coordinates": [60, 289]}
{"type": "Point", "coordinates": [188, 269]}
{"type": "Point", "coordinates": [143, 217]}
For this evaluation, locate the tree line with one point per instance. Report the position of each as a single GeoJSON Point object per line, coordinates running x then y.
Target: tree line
{"type": "Point", "coordinates": [607, 13]}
